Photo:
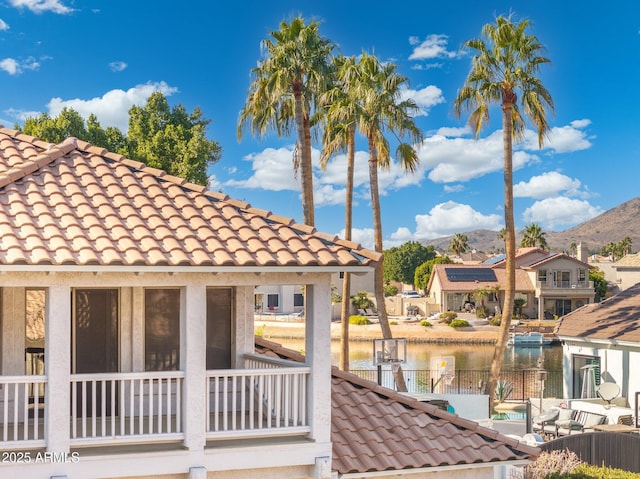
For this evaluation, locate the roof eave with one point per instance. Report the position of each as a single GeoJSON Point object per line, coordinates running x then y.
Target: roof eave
{"type": "Point", "coordinates": [422, 470]}
{"type": "Point", "coordinates": [361, 269]}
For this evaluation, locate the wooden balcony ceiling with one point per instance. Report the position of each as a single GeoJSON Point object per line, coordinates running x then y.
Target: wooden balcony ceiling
{"type": "Point", "coordinates": [76, 204]}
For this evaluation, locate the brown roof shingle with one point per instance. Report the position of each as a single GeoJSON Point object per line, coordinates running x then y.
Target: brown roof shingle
{"type": "Point", "coordinates": [76, 204]}
{"type": "Point", "coordinates": [376, 429]}
{"type": "Point", "coordinates": [616, 318]}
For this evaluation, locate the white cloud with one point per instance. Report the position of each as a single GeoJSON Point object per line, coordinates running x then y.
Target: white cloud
{"type": "Point", "coordinates": [272, 171]}
{"type": "Point", "coordinates": [117, 66]}
{"type": "Point", "coordinates": [434, 46]}
{"type": "Point", "coordinates": [547, 185]}
{"type": "Point", "coordinates": [425, 98]}
{"type": "Point", "coordinates": [112, 108]}
{"type": "Point", "coordinates": [3, 25]}
{"type": "Point", "coordinates": [446, 219]}
{"type": "Point", "coordinates": [560, 212]}
{"type": "Point", "coordinates": [561, 139]}
{"type": "Point", "coordinates": [16, 67]}
{"type": "Point", "coordinates": [40, 6]}
{"type": "Point", "coordinates": [453, 188]}
{"type": "Point", "coordinates": [214, 183]}
{"type": "Point", "coordinates": [363, 236]}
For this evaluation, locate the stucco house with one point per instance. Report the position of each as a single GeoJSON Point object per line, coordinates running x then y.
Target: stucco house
{"type": "Point", "coordinates": [627, 271]}
{"type": "Point", "coordinates": [377, 432]}
{"type": "Point", "coordinates": [127, 324]}
{"type": "Point", "coordinates": [605, 335]}
{"type": "Point", "coordinates": [552, 284]}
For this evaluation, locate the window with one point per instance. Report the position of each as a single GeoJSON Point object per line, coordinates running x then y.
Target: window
{"type": "Point", "coordinates": [273, 301]}
{"type": "Point", "coordinates": [562, 279]}
{"type": "Point", "coordinates": [162, 329]}
{"type": "Point", "coordinates": [219, 313]}
{"type": "Point", "coordinates": [298, 299]}
{"type": "Point", "coordinates": [542, 275]}
{"type": "Point", "coordinates": [582, 277]}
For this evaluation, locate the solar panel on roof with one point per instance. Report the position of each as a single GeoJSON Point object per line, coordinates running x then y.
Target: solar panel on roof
{"type": "Point", "coordinates": [470, 274]}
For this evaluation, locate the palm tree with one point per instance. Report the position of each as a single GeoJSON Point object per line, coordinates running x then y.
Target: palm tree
{"type": "Point", "coordinates": [339, 135]}
{"type": "Point", "coordinates": [374, 87]}
{"type": "Point", "coordinates": [534, 236]}
{"type": "Point", "coordinates": [284, 90]}
{"type": "Point", "coordinates": [506, 61]}
{"type": "Point", "coordinates": [459, 244]}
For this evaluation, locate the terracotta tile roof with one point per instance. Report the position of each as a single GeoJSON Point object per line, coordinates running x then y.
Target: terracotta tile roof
{"type": "Point", "coordinates": [628, 261]}
{"type": "Point", "coordinates": [376, 429]}
{"type": "Point", "coordinates": [79, 205]}
{"type": "Point", "coordinates": [523, 283]}
{"type": "Point", "coordinates": [616, 318]}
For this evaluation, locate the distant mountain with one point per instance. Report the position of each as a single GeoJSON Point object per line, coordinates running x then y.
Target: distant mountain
{"type": "Point", "coordinates": [611, 226]}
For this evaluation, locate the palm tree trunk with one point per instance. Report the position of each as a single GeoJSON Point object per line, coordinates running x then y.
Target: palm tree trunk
{"type": "Point", "coordinates": [510, 247]}
{"type": "Point", "coordinates": [303, 127]}
{"type": "Point", "coordinates": [377, 239]}
{"type": "Point", "coordinates": [346, 280]}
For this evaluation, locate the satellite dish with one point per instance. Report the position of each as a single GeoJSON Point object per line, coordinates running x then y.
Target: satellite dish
{"type": "Point", "coordinates": [532, 439]}
{"type": "Point", "coordinates": [608, 391]}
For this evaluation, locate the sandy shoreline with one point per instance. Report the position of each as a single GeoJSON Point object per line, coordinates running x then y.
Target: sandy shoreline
{"type": "Point", "coordinates": [438, 333]}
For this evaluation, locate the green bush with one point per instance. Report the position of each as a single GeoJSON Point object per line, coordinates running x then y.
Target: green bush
{"type": "Point", "coordinates": [503, 390]}
{"type": "Point", "coordinates": [390, 290]}
{"type": "Point", "coordinates": [459, 323]}
{"type": "Point", "coordinates": [482, 312]}
{"type": "Point", "coordinates": [260, 330]}
{"type": "Point", "coordinates": [425, 323]}
{"type": "Point", "coordinates": [585, 471]}
{"type": "Point", "coordinates": [393, 323]}
{"type": "Point", "coordinates": [358, 320]}
{"type": "Point", "coordinates": [448, 317]}
{"type": "Point", "coordinates": [495, 321]}
{"type": "Point", "coordinates": [361, 300]}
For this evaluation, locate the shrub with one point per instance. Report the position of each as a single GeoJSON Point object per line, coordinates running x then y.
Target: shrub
{"type": "Point", "coordinates": [552, 463]}
{"type": "Point", "coordinates": [393, 323]}
{"type": "Point", "coordinates": [481, 312]}
{"type": "Point", "coordinates": [459, 323]}
{"type": "Point", "coordinates": [425, 323]}
{"type": "Point", "coordinates": [495, 321]}
{"type": "Point", "coordinates": [358, 320]}
{"type": "Point", "coordinates": [503, 390]}
{"type": "Point", "coordinates": [260, 330]}
{"type": "Point", "coordinates": [361, 300]}
{"type": "Point", "coordinates": [448, 317]}
{"type": "Point", "coordinates": [390, 290]}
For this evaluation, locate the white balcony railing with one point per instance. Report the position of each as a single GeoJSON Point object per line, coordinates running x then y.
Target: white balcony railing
{"type": "Point", "coordinates": [126, 407]}
{"type": "Point", "coordinates": [269, 399]}
{"type": "Point", "coordinates": [21, 403]}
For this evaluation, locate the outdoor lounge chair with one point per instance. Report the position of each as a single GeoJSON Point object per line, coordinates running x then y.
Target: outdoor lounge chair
{"type": "Point", "coordinates": [581, 421]}
{"type": "Point", "coordinates": [545, 423]}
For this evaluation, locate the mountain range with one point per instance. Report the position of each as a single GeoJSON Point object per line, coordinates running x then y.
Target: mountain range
{"type": "Point", "coordinates": [609, 227]}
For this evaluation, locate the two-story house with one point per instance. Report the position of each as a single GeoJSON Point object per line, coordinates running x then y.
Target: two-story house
{"type": "Point", "coordinates": [550, 284]}
{"type": "Point", "coordinates": [127, 324]}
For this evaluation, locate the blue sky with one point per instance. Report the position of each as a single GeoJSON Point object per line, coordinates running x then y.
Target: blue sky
{"type": "Point", "coordinates": [104, 56]}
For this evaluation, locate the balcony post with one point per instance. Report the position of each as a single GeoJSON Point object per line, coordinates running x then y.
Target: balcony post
{"type": "Point", "coordinates": [57, 368]}
{"type": "Point", "coordinates": [318, 358]}
{"type": "Point", "coordinates": [193, 332]}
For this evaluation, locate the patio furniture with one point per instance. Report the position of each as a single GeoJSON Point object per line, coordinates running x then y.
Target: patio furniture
{"type": "Point", "coordinates": [544, 424]}
{"type": "Point", "coordinates": [580, 421]}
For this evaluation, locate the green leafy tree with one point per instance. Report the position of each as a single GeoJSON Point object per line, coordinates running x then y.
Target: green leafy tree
{"type": "Point", "coordinates": [505, 62]}
{"type": "Point", "coordinates": [423, 272]}
{"type": "Point", "coordinates": [159, 136]}
{"type": "Point", "coordinates": [400, 262]}
{"type": "Point", "coordinates": [599, 283]}
{"type": "Point", "coordinates": [459, 244]}
{"type": "Point", "coordinates": [534, 236]}
{"type": "Point", "coordinates": [171, 139]}
{"type": "Point", "coordinates": [285, 87]}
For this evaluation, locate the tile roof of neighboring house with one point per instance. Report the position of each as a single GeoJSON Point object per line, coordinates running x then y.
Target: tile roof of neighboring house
{"type": "Point", "coordinates": [628, 261]}
{"type": "Point", "coordinates": [376, 429]}
{"type": "Point", "coordinates": [616, 318]}
{"type": "Point", "coordinates": [523, 283]}
{"type": "Point", "coordinates": [74, 204]}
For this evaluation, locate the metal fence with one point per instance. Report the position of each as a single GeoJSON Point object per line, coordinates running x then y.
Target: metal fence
{"type": "Point", "coordinates": [611, 449]}
{"type": "Point", "coordinates": [525, 382]}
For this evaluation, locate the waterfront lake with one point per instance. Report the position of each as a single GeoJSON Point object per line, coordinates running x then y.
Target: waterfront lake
{"type": "Point", "coordinates": [467, 356]}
